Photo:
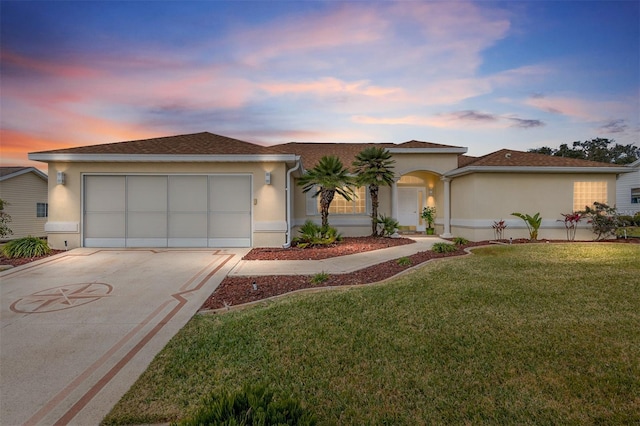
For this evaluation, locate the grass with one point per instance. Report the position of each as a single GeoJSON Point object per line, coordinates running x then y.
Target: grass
{"type": "Point", "coordinates": [527, 334]}
{"type": "Point", "coordinates": [632, 231]}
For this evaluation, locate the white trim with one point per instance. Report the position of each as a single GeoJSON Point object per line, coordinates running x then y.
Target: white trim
{"type": "Point", "coordinates": [61, 227]}
{"type": "Point", "coordinates": [511, 223]}
{"type": "Point", "coordinates": [452, 150]}
{"type": "Point", "coordinates": [338, 220]}
{"type": "Point", "coordinates": [163, 158]}
{"type": "Point", "coordinates": [37, 172]}
{"type": "Point", "coordinates": [534, 169]}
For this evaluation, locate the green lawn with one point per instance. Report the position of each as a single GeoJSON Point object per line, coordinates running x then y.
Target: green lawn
{"type": "Point", "coordinates": [526, 334]}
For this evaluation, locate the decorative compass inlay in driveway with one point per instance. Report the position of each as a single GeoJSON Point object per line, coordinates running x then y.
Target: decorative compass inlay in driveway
{"type": "Point", "coordinates": [62, 297]}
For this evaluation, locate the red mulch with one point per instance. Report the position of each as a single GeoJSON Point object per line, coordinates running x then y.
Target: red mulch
{"type": "Point", "coordinates": [348, 245]}
{"type": "Point", "coordinates": [23, 261]}
{"type": "Point", "coordinates": [239, 290]}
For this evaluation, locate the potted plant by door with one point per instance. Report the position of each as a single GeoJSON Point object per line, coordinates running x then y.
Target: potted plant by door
{"type": "Point", "coordinates": [429, 216]}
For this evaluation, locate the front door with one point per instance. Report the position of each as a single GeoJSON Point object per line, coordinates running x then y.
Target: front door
{"type": "Point", "coordinates": [408, 212]}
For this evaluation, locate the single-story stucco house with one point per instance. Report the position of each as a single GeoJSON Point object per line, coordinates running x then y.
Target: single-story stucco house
{"type": "Point", "coordinates": [628, 190]}
{"type": "Point", "coordinates": [206, 190]}
{"type": "Point", "coordinates": [25, 191]}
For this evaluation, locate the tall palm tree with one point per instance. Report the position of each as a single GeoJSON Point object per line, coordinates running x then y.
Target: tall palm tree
{"type": "Point", "coordinates": [327, 177]}
{"type": "Point", "coordinates": [374, 167]}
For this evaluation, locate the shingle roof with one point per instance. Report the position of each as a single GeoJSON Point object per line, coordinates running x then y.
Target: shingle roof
{"type": "Point", "coordinates": [511, 158]}
{"type": "Point", "coordinates": [4, 171]}
{"type": "Point", "coordinates": [312, 152]}
{"type": "Point", "coordinates": [14, 171]}
{"type": "Point", "coordinates": [204, 143]}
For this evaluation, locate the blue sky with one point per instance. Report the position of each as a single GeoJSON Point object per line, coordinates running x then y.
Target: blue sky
{"type": "Point", "coordinates": [485, 75]}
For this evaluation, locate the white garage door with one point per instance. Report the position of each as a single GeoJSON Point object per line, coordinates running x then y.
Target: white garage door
{"type": "Point", "coordinates": [167, 211]}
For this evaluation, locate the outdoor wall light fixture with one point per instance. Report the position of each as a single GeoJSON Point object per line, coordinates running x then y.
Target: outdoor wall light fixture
{"type": "Point", "coordinates": [267, 178]}
{"type": "Point", "coordinates": [60, 178]}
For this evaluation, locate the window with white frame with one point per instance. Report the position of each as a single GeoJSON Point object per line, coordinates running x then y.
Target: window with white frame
{"type": "Point", "coordinates": [635, 195]}
{"type": "Point", "coordinates": [340, 205]}
{"type": "Point", "coordinates": [42, 209]}
{"type": "Point", "coordinates": [587, 193]}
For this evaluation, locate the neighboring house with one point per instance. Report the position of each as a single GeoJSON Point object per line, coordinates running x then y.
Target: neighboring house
{"type": "Point", "coordinates": [25, 191]}
{"type": "Point", "coordinates": [628, 190]}
{"type": "Point", "coordinates": [206, 190]}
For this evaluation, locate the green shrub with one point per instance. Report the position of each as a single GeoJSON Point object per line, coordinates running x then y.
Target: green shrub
{"type": "Point", "coordinates": [312, 235]}
{"type": "Point", "coordinates": [320, 277]}
{"type": "Point", "coordinates": [533, 223]}
{"type": "Point", "coordinates": [26, 247]}
{"type": "Point", "coordinates": [444, 248]}
{"type": "Point", "coordinates": [404, 261]}
{"type": "Point", "coordinates": [388, 225]}
{"type": "Point", "coordinates": [254, 405]}
{"type": "Point", "coordinates": [604, 219]}
{"type": "Point", "coordinates": [459, 241]}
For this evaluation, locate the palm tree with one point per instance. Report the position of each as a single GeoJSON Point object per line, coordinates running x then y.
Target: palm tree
{"type": "Point", "coordinates": [373, 166]}
{"type": "Point", "coordinates": [327, 177]}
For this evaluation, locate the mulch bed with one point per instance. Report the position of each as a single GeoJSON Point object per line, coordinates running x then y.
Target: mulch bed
{"type": "Point", "coordinates": [23, 261]}
{"type": "Point", "coordinates": [236, 290]}
{"type": "Point", "coordinates": [239, 290]}
{"type": "Point", "coordinates": [348, 245]}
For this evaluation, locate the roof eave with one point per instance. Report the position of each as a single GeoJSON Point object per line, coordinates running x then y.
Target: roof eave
{"type": "Point", "coordinates": [534, 169]}
{"type": "Point", "coordinates": [37, 172]}
{"type": "Point", "coordinates": [162, 158]}
{"type": "Point", "coordinates": [452, 150]}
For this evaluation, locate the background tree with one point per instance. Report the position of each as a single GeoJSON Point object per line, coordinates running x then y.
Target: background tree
{"type": "Point", "coordinates": [599, 149]}
{"type": "Point", "coordinates": [5, 218]}
{"type": "Point", "coordinates": [374, 167]}
{"type": "Point", "coordinates": [327, 177]}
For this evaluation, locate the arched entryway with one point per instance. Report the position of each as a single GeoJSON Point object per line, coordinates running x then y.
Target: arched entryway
{"type": "Point", "coordinates": [413, 192]}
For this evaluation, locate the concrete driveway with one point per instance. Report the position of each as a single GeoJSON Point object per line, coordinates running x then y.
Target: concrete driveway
{"type": "Point", "coordinates": [77, 329]}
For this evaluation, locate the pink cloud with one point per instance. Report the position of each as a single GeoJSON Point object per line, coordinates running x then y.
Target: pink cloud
{"type": "Point", "coordinates": [58, 69]}
{"type": "Point", "coordinates": [346, 25]}
{"type": "Point", "coordinates": [578, 108]}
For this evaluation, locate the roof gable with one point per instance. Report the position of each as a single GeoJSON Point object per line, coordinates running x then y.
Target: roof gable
{"type": "Point", "coordinates": [11, 172]}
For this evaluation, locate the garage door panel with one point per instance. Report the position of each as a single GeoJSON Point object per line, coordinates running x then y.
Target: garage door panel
{"type": "Point", "coordinates": [188, 193]}
{"type": "Point", "coordinates": [228, 225]}
{"type": "Point", "coordinates": [188, 225]}
{"type": "Point", "coordinates": [105, 225]}
{"type": "Point", "coordinates": [146, 225]}
{"type": "Point", "coordinates": [147, 193]}
{"type": "Point", "coordinates": [104, 193]}
{"type": "Point", "coordinates": [230, 194]}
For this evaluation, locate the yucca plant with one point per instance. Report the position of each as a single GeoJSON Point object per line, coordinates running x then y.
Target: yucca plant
{"type": "Point", "coordinates": [26, 247]}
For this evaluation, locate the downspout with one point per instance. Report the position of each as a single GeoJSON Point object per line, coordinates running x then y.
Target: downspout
{"type": "Point", "coordinates": [288, 191]}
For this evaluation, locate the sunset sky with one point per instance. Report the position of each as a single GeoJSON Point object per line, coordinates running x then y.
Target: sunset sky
{"type": "Point", "coordinates": [485, 75]}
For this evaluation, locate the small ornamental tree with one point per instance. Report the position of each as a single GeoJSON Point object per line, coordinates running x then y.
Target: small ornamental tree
{"type": "Point", "coordinates": [5, 218]}
{"type": "Point", "coordinates": [604, 220]}
{"type": "Point", "coordinates": [571, 221]}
